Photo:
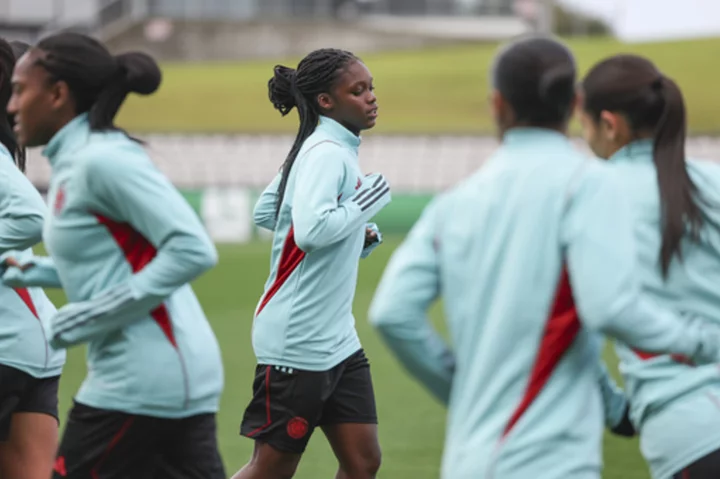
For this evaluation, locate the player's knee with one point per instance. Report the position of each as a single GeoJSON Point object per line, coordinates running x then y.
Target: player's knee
{"type": "Point", "coordinates": [272, 464]}
{"type": "Point", "coordinates": [284, 470]}
{"type": "Point", "coordinates": [366, 465]}
{"type": "Point", "coordinates": [278, 470]}
{"type": "Point", "coordinates": [373, 461]}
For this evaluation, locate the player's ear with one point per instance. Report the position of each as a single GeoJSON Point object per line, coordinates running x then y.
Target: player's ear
{"type": "Point", "coordinates": [325, 102]}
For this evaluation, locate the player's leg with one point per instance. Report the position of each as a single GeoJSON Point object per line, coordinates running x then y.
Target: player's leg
{"type": "Point", "coordinates": [269, 463]}
{"type": "Point", "coordinates": [30, 450]}
{"type": "Point", "coordinates": [190, 449]}
{"type": "Point", "coordinates": [357, 449]}
{"type": "Point", "coordinates": [13, 383]}
{"type": "Point", "coordinates": [281, 417]}
{"type": "Point", "coordinates": [350, 421]}
{"type": "Point", "coordinates": [706, 468]}
{"type": "Point", "coordinates": [102, 444]}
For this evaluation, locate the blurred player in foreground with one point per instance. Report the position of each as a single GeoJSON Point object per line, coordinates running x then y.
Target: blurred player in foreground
{"type": "Point", "coordinates": [29, 368]}
{"type": "Point", "coordinates": [634, 116]}
{"type": "Point", "coordinates": [534, 256]}
{"type": "Point", "coordinates": [312, 370]}
{"type": "Point", "coordinates": [124, 245]}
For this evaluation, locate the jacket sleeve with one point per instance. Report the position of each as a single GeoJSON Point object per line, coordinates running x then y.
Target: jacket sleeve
{"type": "Point", "coordinates": [160, 234]}
{"type": "Point", "coordinates": [600, 250]}
{"type": "Point", "coordinates": [22, 209]}
{"type": "Point", "coordinates": [264, 211]}
{"type": "Point", "coordinates": [399, 310]}
{"type": "Point", "coordinates": [318, 219]}
{"type": "Point", "coordinates": [35, 271]}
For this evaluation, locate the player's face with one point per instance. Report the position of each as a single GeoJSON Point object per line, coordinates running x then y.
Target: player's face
{"type": "Point", "coordinates": [592, 134]}
{"type": "Point", "coordinates": [601, 135]}
{"type": "Point", "coordinates": [352, 101]}
{"type": "Point", "coordinates": [36, 102]}
{"type": "Point", "coordinates": [605, 135]}
{"type": "Point", "coordinates": [502, 113]}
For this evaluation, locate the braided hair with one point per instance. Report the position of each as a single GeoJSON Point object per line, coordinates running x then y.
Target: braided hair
{"type": "Point", "coordinates": [9, 52]}
{"type": "Point", "coordinates": [98, 81]}
{"type": "Point", "coordinates": [299, 88]}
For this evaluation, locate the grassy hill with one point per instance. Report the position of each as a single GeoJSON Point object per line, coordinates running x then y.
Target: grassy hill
{"type": "Point", "coordinates": [438, 90]}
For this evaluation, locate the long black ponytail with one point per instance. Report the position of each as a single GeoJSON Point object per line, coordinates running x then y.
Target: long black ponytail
{"type": "Point", "coordinates": [633, 86]}
{"type": "Point", "coordinates": [290, 88]}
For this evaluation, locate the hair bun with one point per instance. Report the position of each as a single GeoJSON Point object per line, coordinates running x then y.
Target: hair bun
{"type": "Point", "coordinates": [282, 89]}
{"type": "Point", "coordinates": [142, 73]}
{"type": "Point", "coordinates": [557, 84]}
{"type": "Point", "coordinates": [658, 83]}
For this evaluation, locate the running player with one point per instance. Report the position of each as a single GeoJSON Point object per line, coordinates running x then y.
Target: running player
{"type": "Point", "coordinates": [29, 368]}
{"type": "Point", "coordinates": [124, 246]}
{"type": "Point", "coordinates": [312, 370]}
{"type": "Point", "coordinates": [533, 254]}
{"type": "Point", "coordinates": [634, 116]}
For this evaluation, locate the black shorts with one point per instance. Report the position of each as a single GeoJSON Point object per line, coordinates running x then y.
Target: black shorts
{"type": "Point", "coordinates": [288, 404]}
{"type": "Point", "coordinates": [20, 392]}
{"type": "Point", "coordinates": [101, 444]}
{"type": "Point", "coordinates": [706, 468]}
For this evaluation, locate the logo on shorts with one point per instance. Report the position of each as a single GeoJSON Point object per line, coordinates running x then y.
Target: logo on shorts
{"type": "Point", "coordinates": [60, 466]}
{"type": "Point", "coordinates": [297, 428]}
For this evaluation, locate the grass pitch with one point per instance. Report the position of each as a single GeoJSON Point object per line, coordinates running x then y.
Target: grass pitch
{"type": "Point", "coordinates": [411, 422]}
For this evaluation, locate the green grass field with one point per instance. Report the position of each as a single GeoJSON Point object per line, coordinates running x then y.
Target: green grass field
{"type": "Point", "coordinates": [411, 423]}
{"type": "Point", "coordinates": [438, 90]}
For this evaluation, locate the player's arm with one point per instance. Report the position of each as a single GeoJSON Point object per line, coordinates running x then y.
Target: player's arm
{"type": "Point", "coordinates": [410, 284]}
{"type": "Point", "coordinates": [22, 210]}
{"type": "Point", "coordinates": [264, 212]}
{"type": "Point", "coordinates": [600, 251]}
{"type": "Point", "coordinates": [131, 191]}
{"type": "Point", "coordinates": [615, 404]}
{"type": "Point", "coordinates": [318, 219]}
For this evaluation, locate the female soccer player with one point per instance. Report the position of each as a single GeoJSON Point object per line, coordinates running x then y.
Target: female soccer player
{"type": "Point", "coordinates": [634, 116]}
{"type": "Point", "coordinates": [311, 368]}
{"type": "Point", "coordinates": [29, 368]}
{"type": "Point", "coordinates": [124, 246]}
{"type": "Point", "coordinates": [533, 255]}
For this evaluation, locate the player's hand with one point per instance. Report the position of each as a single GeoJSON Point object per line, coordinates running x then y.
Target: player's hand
{"type": "Point", "coordinates": [370, 237]}
{"type": "Point", "coordinates": [11, 267]}
{"type": "Point", "coordinates": [12, 262]}
{"type": "Point", "coordinates": [625, 427]}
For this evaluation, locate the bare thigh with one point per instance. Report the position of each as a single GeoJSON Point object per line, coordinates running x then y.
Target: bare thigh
{"type": "Point", "coordinates": [30, 451]}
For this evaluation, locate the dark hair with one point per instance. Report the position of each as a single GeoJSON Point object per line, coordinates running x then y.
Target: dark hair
{"type": "Point", "coordinates": [19, 48]}
{"type": "Point", "coordinates": [290, 88]}
{"type": "Point", "coordinates": [9, 52]}
{"type": "Point", "coordinates": [98, 81]}
{"type": "Point", "coordinates": [634, 87]}
{"type": "Point", "coordinates": [536, 75]}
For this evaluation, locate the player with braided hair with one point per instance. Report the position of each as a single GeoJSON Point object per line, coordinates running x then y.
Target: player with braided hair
{"type": "Point", "coordinates": [29, 368]}
{"type": "Point", "coordinates": [124, 246]}
{"type": "Point", "coordinates": [312, 370]}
